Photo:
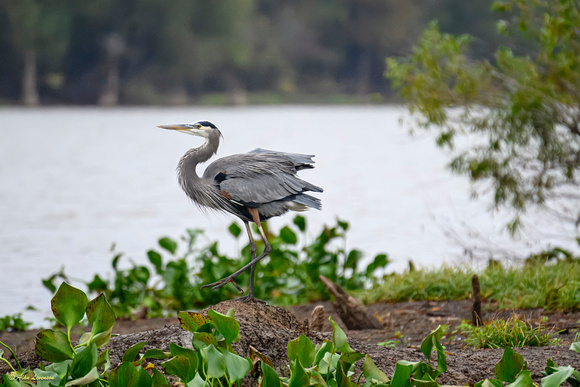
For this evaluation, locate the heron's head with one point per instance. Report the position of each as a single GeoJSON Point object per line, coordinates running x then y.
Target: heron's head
{"type": "Point", "coordinates": [198, 128]}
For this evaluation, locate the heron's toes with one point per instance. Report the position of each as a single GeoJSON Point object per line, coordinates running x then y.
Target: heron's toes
{"type": "Point", "coordinates": [222, 282]}
{"type": "Point", "coordinates": [249, 298]}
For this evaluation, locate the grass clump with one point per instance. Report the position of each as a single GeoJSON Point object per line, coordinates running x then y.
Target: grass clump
{"type": "Point", "coordinates": [533, 285]}
{"type": "Point", "coordinates": [513, 332]}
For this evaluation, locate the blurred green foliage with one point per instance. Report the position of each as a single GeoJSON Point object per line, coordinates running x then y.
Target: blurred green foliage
{"type": "Point", "coordinates": [14, 322]}
{"type": "Point", "coordinates": [289, 275]}
{"type": "Point", "coordinates": [181, 51]}
{"type": "Point", "coordinates": [520, 109]}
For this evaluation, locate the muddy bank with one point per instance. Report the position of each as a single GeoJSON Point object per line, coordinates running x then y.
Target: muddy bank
{"type": "Point", "coordinates": [269, 329]}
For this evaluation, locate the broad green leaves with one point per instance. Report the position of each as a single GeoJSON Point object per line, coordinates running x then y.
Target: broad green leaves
{"type": "Point", "coordinates": [53, 346]}
{"type": "Point", "coordinates": [510, 365]}
{"type": "Point", "coordinates": [301, 349]}
{"type": "Point", "coordinates": [227, 326]}
{"type": "Point", "coordinates": [77, 365]}
{"type": "Point", "coordinates": [68, 305]}
{"type": "Point", "coordinates": [102, 318]}
{"type": "Point", "coordinates": [433, 341]}
{"type": "Point", "coordinates": [372, 373]}
{"type": "Point", "coordinates": [191, 321]}
{"type": "Point", "coordinates": [339, 338]}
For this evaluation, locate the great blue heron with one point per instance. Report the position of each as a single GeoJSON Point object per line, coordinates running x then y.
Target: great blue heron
{"type": "Point", "coordinates": [254, 186]}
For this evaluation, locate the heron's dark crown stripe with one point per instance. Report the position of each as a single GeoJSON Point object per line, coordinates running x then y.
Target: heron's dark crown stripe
{"type": "Point", "coordinates": [207, 123]}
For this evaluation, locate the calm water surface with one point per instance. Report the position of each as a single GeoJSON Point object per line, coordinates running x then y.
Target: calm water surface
{"type": "Point", "coordinates": [76, 180]}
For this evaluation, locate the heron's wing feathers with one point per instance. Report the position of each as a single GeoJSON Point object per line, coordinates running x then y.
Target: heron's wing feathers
{"type": "Point", "coordinates": [300, 161]}
{"type": "Point", "coordinates": [259, 177]}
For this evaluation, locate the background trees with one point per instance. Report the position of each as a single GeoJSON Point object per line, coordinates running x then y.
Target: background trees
{"type": "Point", "coordinates": [523, 105]}
{"type": "Point", "coordinates": [165, 52]}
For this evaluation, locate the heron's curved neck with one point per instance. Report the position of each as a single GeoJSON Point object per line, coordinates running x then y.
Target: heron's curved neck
{"type": "Point", "coordinates": [194, 156]}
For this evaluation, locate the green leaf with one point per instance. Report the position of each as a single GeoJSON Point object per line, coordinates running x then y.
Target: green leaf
{"type": "Point", "coordinates": [300, 222]}
{"type": "Point", "coordinates": [298, 377]}
{"type": "Point", "coordinates": [524, 379]}
{"type": "Point", "coordinates": [85, 360]}
{"type": "Point", "coordinates": [132, 353]}
{"type": "Point", "coordinates": [235, 230]}
{"type": "Point", "coordinates": [216, 365]}
{"type": "Point", "coordinates": [191, 321]}
{"type": "Point", "coordinates": [225, 325]}
{"type": "Point", "coordinates": [269, 377]}
{"type": "Point", "coordinates": [288, 236]}
{"type": "Point", "coordinates": [104, 360]}
{"type": "Point", "coordinates": [372, 372]}
{"type": "Point", "coordinates": [102, 338]}
{"type": "Point", "coordinates": [61, 368]}
{"type": "Point", "coordinates": [203, 339]}
{"type": "Point", "coordinates": [84, 339]}
{"type": "Point", "coordinates": [68, 305]}
{"type": "Point", "coordinates": [156, 260]}
{"type": "Point", "coordinates": [101, 318]}
{"type": "Point", "coordinates": [575, 347]}
{"type": "Point", "coordinates": [509, 366]}
{"type": "Point", "coordinates": [187, 353]}
{"type": "Point", "coordinates": [303, 349]}
{"type": "Point", "coordinates": [237, 367]}
{"type": "Point", "coordinates": [433, 340]}
{"type": "Point", "coordinates": [154, 353]}
{"type": "Point", "coordinates": [46, 378]}
{"type": "Point", "coordinates": [86, 379]}
{"type": "Point", "coordinates": [558, 377]}
{"type": "Point", "coordinates": [328, 362]}
{"type": "Point", "coordinates": [342, 224]}
{"type": "Point", "coordinates": [403, 371]}
{"type": "Point", "coordinates": [143, 379]}
{"type": "Point", "coordinates": [353, 257]}
{"type": "Point", "coordinates": [158, 379]}
{"type": "Point", "coordinates": [339, 338]}
{"type": "Point", "coordinates": [255, 354]}
{"type": "Point", "coordinates": [53, 346]}
{"type": "Point", "coordinates": [198, 382]}
{"type": "Point", "coordinates": [178, 366]}
{"type": "Point", "coordinates": [126, 375]}
{"type": "Point", "coordinates": [348, 359]}
{"type": "Point", "coordinates": [381, 260]}
{"type": "Point", "coordinates": [489, 383]}
{"type": "Point", "coordinates": [10, 381]}
{"type": "Point", "coordinates": [342, 378]}
{"type": "Point", "coordinates": [168, 244]}
{"type": "Point", "coordinates": [324, 348]}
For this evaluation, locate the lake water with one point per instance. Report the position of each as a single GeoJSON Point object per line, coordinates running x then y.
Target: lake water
{"type": "Point", "coordinates": [76, 180]}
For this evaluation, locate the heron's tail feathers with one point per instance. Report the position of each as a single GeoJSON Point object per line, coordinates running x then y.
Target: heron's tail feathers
{"type": "Point", "coordinates": [308, 201]}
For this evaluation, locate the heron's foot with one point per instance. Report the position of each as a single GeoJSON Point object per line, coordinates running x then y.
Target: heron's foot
{"type": "Point", "coordinates": [222, 282]}
{"type": "Point", "coordinates": [249, 298]}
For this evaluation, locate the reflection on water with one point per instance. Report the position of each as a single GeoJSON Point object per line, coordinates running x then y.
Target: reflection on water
{"type": "Point", "coordinates": [76, 180]}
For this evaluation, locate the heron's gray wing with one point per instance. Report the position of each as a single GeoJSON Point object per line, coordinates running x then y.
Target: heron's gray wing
{"type": "Point", "coordinates": [254, 178]}
{"type": "Point", "coordinates": [300, 161]}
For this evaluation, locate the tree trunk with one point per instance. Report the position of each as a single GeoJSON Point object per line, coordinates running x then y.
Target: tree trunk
{"type": "Point", "coordinates": [110, 94]}
{"type": "Point", "coordinates": [29, 83]}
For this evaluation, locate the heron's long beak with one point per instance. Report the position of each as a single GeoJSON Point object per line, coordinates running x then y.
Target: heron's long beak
{"type": "Point", "coordinates": [173, 127]}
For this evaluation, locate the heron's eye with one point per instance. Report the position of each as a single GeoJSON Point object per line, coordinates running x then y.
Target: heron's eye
{"type": "Point", "coordinates": [198, 126]}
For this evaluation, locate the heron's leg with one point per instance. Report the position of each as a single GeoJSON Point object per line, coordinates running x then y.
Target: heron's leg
{"type": "Point", "coordinates": [253, 249]}
{"type": "Point", "coordinates": [267, 250]}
